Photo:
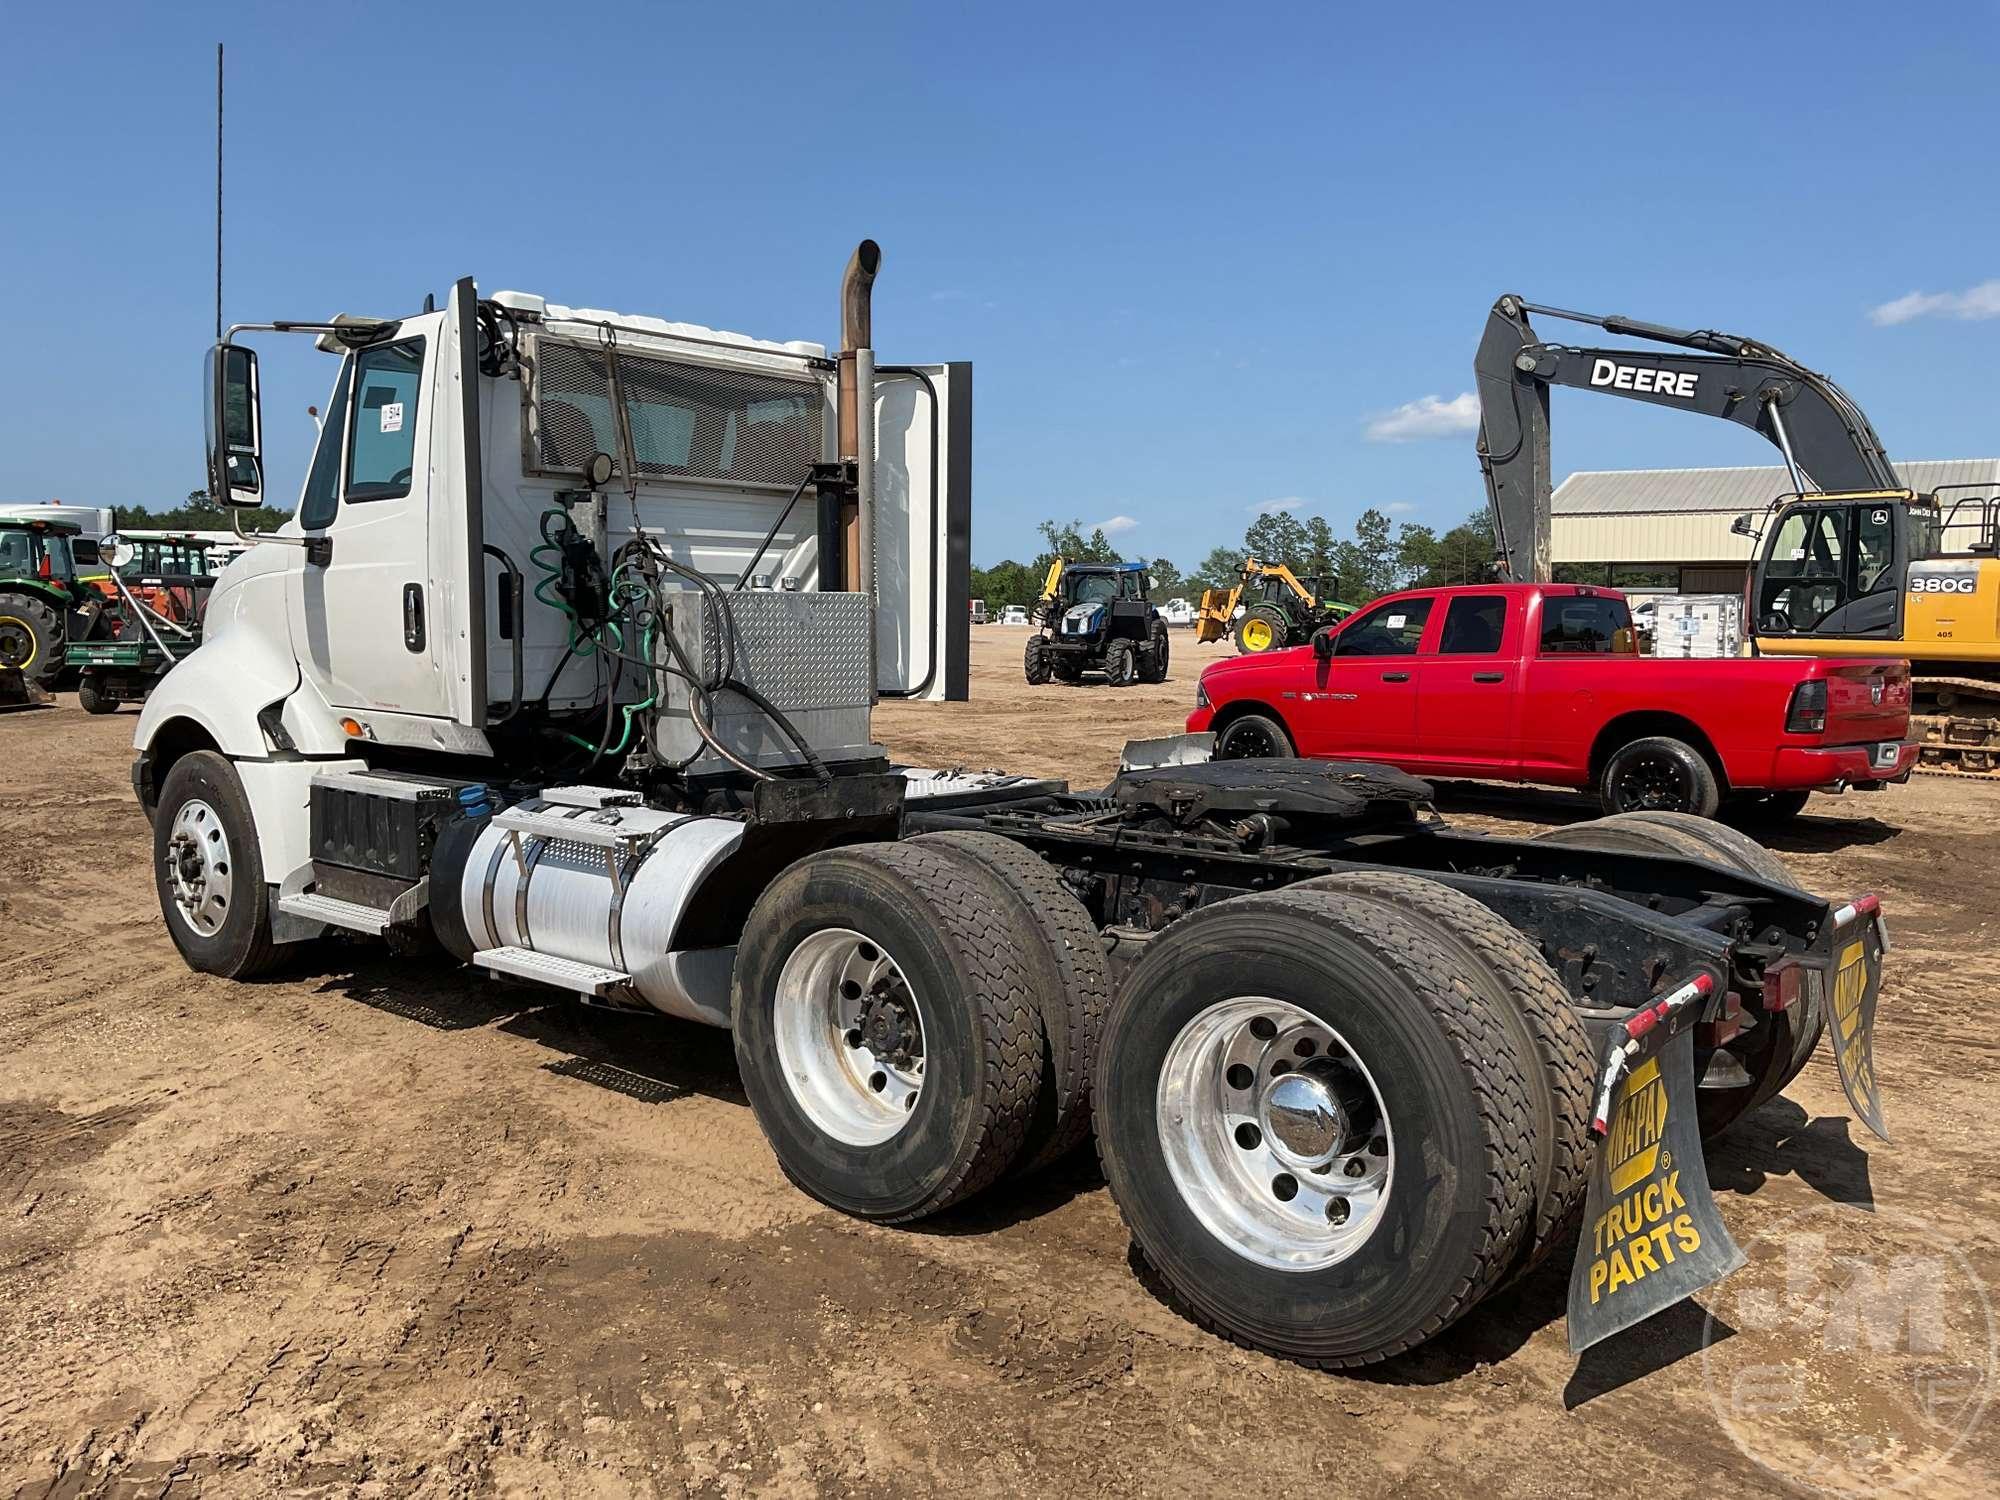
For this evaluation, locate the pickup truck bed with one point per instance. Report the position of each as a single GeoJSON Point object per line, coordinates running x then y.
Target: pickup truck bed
{"type": "Point", "coordinates": [1542, 683]}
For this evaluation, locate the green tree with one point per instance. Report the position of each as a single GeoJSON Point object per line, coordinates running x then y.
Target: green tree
{"type": "Point", "coordinates": [1317, 559]}
{"type": "Point", "coordinates": [1006, 583]}
{"type": "Point", "coordinates": [1221, 569]}
{"type": "Point", "coordinates": [1279, 537]}
{"type": "Point", "coordinates": [1067, 541]}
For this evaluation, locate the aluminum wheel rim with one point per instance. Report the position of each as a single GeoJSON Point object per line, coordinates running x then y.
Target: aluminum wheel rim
{"type": "Point", "coordinates": [1275, 1184]}
{"type": "Point", "coordinates": [850, 1036]}
{"type": "Point", "coordinates": [1247, 740]}
{"type": "Point", "coordinates": [1653, 783]}
{"type": "Point", "coordinates": [199, 869]}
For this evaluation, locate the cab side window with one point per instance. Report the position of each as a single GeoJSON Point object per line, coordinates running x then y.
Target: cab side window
{"type": "Point", "coordinates": [1473, 625]}
{"type": "Point", "coordinates": [1391, 629]}
{"type": "Point", "coordinates": [382, 440]}
{"type": "Point", "coordinates": [321, 500]}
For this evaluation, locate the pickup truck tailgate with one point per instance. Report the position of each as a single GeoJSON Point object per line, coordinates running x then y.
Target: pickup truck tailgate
{"type": "Point", "coordinates": [1867, 701]}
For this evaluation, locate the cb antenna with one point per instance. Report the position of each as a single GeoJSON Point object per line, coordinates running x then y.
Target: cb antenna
{"type": "Point", "coordinates": [218, 192]}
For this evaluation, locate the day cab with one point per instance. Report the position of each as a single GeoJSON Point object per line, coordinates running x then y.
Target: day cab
{"type": "Point", "coordinates": [1544, 683]}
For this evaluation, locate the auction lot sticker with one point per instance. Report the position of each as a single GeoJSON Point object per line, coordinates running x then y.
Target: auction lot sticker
{"type": "Point", "coordinates": [1853, 1354]}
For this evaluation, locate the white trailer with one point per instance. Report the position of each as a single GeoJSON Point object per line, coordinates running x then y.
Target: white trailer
{"type": "Point", "coordinates": [508, 684]}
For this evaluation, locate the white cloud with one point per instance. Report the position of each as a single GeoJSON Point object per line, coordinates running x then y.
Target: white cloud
{"type": "Point", "coordinates": [1971, 305]}
{"type": "Point", "coordinates": [1114, 525]}
{"type": "Point", "coordinates": [1399, 507]}
{"type": "Point", "coordinates": [1426, 417]}
{"type": "Point", "coordinates": [1272, 507]}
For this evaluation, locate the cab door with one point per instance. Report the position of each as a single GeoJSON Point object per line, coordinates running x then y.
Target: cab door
{"type": "Point", "coordinates": [363, 609]}
{"type": "Point", "coordinates": [923, 530]}
{"type": "Point", "coordinates": [1362, 701]}
{"type": "Point", "coordinates": [1468, 688]}
{"type": "Point", "coordinates": [1834, 569]}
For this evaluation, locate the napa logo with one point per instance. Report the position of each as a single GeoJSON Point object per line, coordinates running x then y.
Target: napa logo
{"type": "Point", "coordinates": [1638, 1126]}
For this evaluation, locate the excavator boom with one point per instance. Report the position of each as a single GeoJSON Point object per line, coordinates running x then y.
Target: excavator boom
{"type": "Point", "coordinates": [1826, 440]}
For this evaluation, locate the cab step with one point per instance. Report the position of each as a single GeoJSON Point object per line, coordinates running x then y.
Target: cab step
{"type": "Point", "coordinates": [546, 968]}
{"type": "Point", "coordinates": [310, 906]}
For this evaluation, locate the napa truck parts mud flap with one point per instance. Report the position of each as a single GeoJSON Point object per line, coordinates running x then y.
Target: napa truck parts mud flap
{"type": "Point", "coordinates": [1651, 1232]}
{"type": "Point", "coordinates": [1861, 937]}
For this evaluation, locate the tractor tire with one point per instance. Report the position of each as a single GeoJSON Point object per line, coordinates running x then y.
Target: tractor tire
{"type": "Point", "coordinates": [1553, 1032]}
{"type": "Point", "coordinates": [1254, 737]}
{"type": "Point", "coordinates": [209, 872]}
{"type": "Point", "coordinates": [897, 1100]}
{"type": "Point", "coordinates": [1035, 660]}
{"type": "Point", "coordinates": [1267, 1035]}
{"type": "Point", "coordinates": [1153, 659]}
{"type": "Point", "coordinates": [1782, 1043]}
{"type": "Point", "coordinates": [1658, 774]}
{"type": "Point", "coordinates": [1072, 983]}
{"type": "Point", "coordinates": [31, 637]}
{"type": "Point", "coordinates": [92, 698]}
{"type": "Point", "coordinates": [1262, 628]}
{"type": "Point", "coordinates": [1121, 663]}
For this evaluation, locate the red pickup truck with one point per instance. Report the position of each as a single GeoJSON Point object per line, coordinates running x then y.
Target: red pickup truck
{"type": "Point", "coordinates": [1544, 683]}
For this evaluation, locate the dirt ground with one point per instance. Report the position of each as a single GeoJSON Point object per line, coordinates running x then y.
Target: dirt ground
{"type": "Point", "coordinates": [379, 1227]}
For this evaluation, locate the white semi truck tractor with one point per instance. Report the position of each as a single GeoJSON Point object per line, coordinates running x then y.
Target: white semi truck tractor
{"type": "Point", "coordinates": [563, 670]}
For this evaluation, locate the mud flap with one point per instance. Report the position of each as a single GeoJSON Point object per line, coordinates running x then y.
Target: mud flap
{"type": "Point", "coordinates": [1651, 1232]}
{"type": "Point", "coordinates": [1857, 985]}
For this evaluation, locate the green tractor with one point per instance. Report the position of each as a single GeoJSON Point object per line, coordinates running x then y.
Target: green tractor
{"type": "Point", "coordinates": [43, 604]}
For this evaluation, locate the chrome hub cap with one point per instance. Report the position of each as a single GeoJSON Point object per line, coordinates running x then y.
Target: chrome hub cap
{"type": "Point", "coordinates": [850, 1036]}
{"type": "Point", "coordinates": [1275, 1134]}
{"type": "Point", "coordinates": [198, 867]}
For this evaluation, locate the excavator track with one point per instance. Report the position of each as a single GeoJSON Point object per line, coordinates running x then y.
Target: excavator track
{"type": "Point", "coordinates": [1958, 739]}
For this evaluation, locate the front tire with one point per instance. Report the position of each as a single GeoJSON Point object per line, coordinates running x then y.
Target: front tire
{"type": "Point", "coordinates": [1035, 660]}
{"type": "Point", "coordinates": [1121, 663]}
{"type": "Point", "coordinates": [1658, 774]}
{"type": "Point", "coordinates": [209, 872]}
{"type": "Point", "coordinates": [886, 1030]}
{"type": "Point", "coordinates": [1316, 1125]}
{"type": "Point", "coordinates": [1254, 737]}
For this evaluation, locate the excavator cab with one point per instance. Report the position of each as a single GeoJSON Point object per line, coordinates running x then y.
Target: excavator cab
{"type": "Point", "coordinates": [1832, 564]}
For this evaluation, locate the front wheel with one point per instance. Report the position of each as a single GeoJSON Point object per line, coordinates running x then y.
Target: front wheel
{"type": "Point", "coordinates": [1121, 663]}
{"type": "Point", "coordinates": [1035, 660]}
{"type": "Point", "coordinates": [1658, 774]}
{"type": "Point", "coordinates": [1253, 737]}
{"type": "Point", "coordinates": [208, 870]}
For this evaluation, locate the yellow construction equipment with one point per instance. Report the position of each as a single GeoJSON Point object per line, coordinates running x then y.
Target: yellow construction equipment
{"type": "Point", "coordinates": [1284, 609]}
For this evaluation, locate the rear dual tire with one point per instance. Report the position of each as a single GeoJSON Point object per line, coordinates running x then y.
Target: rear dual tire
{"type": "Point", "coordinates": [1217, 1173]}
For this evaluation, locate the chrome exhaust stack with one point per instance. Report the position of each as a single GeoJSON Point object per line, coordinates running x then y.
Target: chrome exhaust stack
{"type": "Point", "coordinates": [856, 416]}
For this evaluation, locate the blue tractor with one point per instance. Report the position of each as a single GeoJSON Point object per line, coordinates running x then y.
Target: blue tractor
{"type": "Point", "coordinates": [1096, 617]}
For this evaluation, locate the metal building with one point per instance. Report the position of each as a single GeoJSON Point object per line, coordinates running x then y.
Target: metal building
{"type": "Point", "coordinates": [1669, 528]}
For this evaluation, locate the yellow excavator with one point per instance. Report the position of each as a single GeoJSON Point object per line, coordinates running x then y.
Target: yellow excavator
{"type": "Point", "coordinates": [1283, 609]}
{"type": "Point", "coordinates": [1852, 562]}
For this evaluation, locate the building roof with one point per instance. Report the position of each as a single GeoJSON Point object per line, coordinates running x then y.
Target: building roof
{"type": "Point", "coordinates": [1615, 492]}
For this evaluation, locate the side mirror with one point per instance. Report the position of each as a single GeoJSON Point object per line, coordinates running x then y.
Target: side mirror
{"type": "Point", "coordinates": [235, 427]}
{"type": "Point", "coordinates": [1776, 622]}
{"type": "Point", "coordinates": [113, 549]}
{"type": "Point", "coordinates": [1323, 643]}
{"type": "Point", "coordinates": [1744, 525]}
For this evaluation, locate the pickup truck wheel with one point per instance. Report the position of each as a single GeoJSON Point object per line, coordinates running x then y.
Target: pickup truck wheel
{"type": "Point", "coordinates": [1765, 1059]}
{"type": "Point", "coordinates": [1316, 1124]}
{"type": "Point", "coordinates": [1658, 774]}
{"type": "Point", "coordinates": [1547, 1026]}
{"type": "Point", "coordinates": [1035, 660]}
{"type": "Point", "coordinates": [1254, 737]}
{"type": "Point", "coordinates": [209, 872]}
{"type": "Point", "coordinates": [886, 1030]}
{"type": "Point", "coordinates": [1072, 982]}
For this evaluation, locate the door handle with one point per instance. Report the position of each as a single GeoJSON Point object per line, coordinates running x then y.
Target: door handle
{"type": "Point", "coordinates": [413, 616]}
{"type": "Point", "coordinates": [1395, 676]}
{"type": "Point", "coordinates": [1489, 676]}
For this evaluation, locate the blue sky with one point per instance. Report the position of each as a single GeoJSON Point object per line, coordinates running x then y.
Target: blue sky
{"type": "Point", "coordinates": [1193, 253]}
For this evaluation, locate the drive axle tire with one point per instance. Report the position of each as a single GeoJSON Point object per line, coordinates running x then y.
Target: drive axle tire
{"type": "Point", "coordinates": [1316, 1124]}
{"type": "Point", "coordinates": [1254, 737]}
{"type": "Point", "coordinates": [1658, 773]}
{"type": "Point", "coordinates": [1521, 978]}
{"type": "Point", "coordinates": [209, 872]}
{"type": "Point", "coordinates": [1072, 983]}
{"type": "Point", "coordinates": [886, 1030]}
{"type": "Point", "coordinates": [1035, 660]}
{"type": "Point", "coordinates": [1121, 663]}
{"type": "Point", "coordinates": [92, 699]}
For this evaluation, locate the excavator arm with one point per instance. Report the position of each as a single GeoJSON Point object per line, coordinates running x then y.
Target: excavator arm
{"type": "Point", "coordinates": [1826, 441]}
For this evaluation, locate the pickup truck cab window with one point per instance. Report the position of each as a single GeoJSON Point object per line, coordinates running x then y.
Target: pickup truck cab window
{"type": "Point", "coordinates": [1474, 625]}
{"type": "Point", "coordinates": [381, 450]}
{"type": "Point", "coordinates": [1394, 628]}
{"type": "Point", "coordinates": [1585, 624]}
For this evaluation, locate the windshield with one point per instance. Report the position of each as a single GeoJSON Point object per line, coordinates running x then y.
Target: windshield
{"type": "Point", "coordinates": [1096, 588]}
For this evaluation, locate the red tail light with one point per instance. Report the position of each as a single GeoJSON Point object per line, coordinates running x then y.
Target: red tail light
{"type": "Point", "coordinates": [1808, 711]}
{"type": "Point", "coordinates": [1784, 983]}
